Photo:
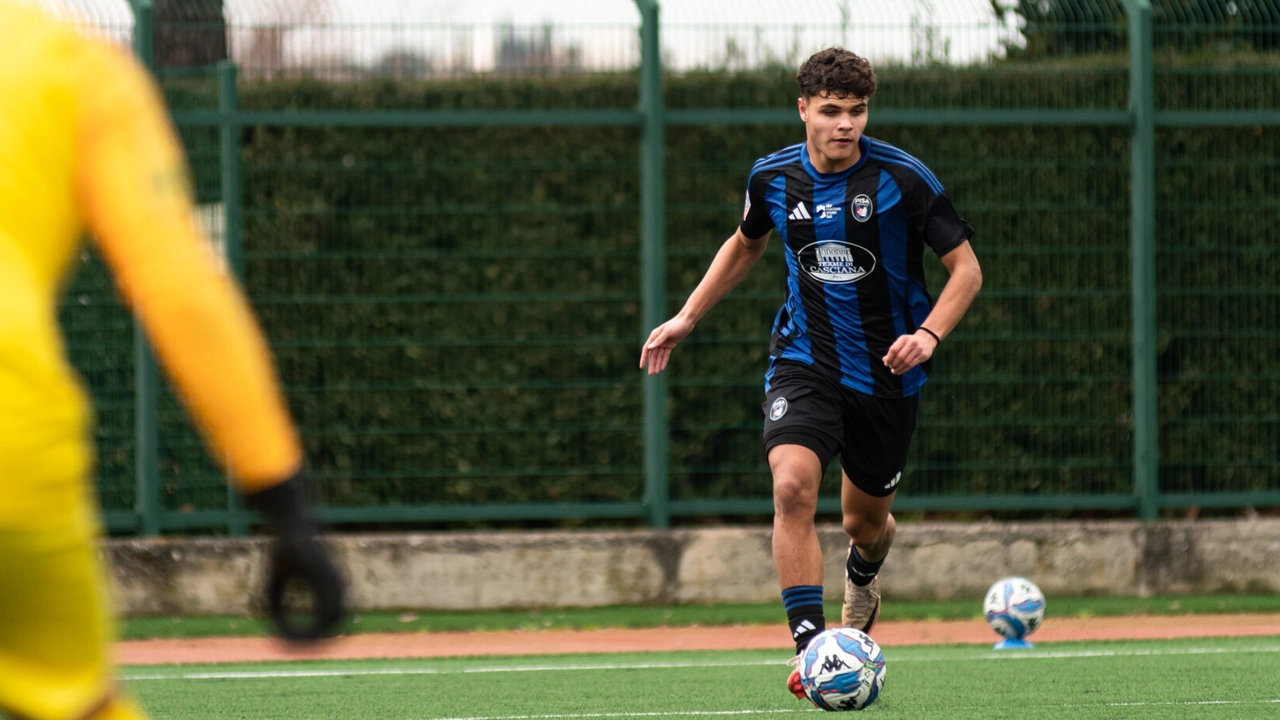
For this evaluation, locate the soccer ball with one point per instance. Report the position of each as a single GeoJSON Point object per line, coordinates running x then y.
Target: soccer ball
{"type": "Point", "coordinates": [1014, 607]}
{"type": "Point", "coordinates": [842, 669]}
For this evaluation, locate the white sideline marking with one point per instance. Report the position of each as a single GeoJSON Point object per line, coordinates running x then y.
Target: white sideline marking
{"type": "Point", "coordinates": [251, 674]}
{"type": "Point", "coordinates": [585, 716]}
{"type": "Point", "coordinates": [673, 712]}
{"type": "Point", "coordinates": [1194, 702]}
{"type": "Point", "coordinates": [1033, 655]}
{"type": "Point", "coordinates": [355, 672]}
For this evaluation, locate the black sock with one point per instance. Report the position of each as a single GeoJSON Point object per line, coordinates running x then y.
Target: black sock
{"type": "Point", "coordinates": [861, 572]}
{"type": "Point", "coordinates": [804, 613]}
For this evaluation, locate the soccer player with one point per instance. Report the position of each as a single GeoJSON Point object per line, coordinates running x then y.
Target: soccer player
{"type": "Point", "coordinates": [852, 342]}
{"type": "Point", "coordinates": [85, 145]}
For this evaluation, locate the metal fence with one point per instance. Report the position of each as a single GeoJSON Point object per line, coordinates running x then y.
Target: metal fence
{"type": "Point", "coordinates": [1118, 160]}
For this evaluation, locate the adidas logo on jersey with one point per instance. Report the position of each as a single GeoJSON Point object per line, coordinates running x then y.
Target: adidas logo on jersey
{"type": "Point", "coordinates": [800, 212]}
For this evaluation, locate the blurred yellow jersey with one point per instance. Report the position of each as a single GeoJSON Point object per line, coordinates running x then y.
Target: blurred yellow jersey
{"type": "Point", "coordinates": [85, 146]}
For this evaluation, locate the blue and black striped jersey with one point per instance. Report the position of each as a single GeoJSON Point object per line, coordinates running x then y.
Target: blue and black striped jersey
{"type": "Point", "coordinates": [854, 243]}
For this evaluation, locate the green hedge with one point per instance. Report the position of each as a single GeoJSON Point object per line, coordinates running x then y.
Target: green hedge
{"type": "Point", "coordinates": [456, 311]}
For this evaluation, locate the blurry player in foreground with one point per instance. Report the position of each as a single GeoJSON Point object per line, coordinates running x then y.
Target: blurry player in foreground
{"type": "Point", "coordinates": [85, 146]}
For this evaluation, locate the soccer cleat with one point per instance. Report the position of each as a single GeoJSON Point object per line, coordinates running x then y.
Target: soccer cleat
{"type": "Point", "coordinates": [861, 605]}
{"type": "Point", "coordinates": [793, 684]}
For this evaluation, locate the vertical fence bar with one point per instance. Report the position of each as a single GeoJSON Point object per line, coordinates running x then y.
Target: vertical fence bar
{"type": "Point", "coordinates": [653, 252]}
{"type": "Point", "coordinates": [1146, 460]}
{"type": "Point", "coordinates": [146, 375]}
{"type": "Point", "coordinates": [232, 214]}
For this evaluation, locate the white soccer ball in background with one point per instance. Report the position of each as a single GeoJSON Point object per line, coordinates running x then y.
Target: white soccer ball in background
{"type": "Point", "coordinates": [842, 669]}
{"type": "Point", "coordinates": [1014, 607]}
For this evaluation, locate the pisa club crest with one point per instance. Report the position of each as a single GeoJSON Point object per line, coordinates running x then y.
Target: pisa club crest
{"type": "Point", "coordinates": [837, 262]}
{"type": "Point", "coordinates": [861, 208]}
{"type": "Point", "coordinates": [778, 409]}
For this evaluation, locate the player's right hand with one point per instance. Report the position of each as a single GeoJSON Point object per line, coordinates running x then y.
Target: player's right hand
{"type": "Point", "coordinates": [297, 557]}
{"type": "Point", "coordinates": [657, 349]}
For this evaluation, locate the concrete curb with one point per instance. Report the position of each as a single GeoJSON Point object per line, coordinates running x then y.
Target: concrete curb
{"type": "Point", "coordinates": [506, 570]}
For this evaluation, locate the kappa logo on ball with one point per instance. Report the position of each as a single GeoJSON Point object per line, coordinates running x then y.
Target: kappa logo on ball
{"type": "Point", "coordinates": [778, 409]}
{"type": "Point", "coordinates": [833, 663]}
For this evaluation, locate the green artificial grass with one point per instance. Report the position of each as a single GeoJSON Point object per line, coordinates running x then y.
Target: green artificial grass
{"type": "Point", "coordinates": [1203, 679]}
{"type": "Point", "coordinates": [685, 615]}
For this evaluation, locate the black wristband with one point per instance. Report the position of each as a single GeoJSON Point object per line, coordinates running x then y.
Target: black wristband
{"type": "Point", "coordinates": [937, 340]}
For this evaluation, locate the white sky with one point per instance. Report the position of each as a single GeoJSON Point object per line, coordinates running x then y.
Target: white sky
{"type": "Point", "coordinates": [695, 33]}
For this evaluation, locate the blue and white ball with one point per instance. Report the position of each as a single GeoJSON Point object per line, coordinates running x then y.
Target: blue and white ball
{"type": "Point", "coordinates": [1014, 607]}
{"type": "Point", "coordinates": [842, 669]}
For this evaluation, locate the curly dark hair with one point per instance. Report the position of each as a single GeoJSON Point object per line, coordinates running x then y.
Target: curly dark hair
{"type": "Point", "coordinates": [836, 72]}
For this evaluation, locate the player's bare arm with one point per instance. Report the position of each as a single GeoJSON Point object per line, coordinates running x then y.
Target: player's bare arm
{"type": "Point", "coordinates": [963, 283]}
{"type": "Point", "coordinates": [732, 262]}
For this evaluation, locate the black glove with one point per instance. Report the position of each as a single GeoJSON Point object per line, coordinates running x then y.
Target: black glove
{"type": "Point", "coordinates": [297, 555]}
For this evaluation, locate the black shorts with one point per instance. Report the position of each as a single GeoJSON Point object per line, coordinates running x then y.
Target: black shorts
{"type": "Point", "coordinates": [872, 434]}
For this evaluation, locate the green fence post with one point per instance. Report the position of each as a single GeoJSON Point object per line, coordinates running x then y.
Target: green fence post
{"type": "Point", "coordinates": [232, 214]}
{"type": "Point", "coordinates": [143, 35]}
{"type": "Point", "coordinates": [146, 442]}
{"type": "Point", "coordinates": [1146, 460]}
{"type": "Point", "coordinates": [653, 252]}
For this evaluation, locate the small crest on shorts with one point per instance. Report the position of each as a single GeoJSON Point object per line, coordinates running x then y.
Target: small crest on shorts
{"type": "Point", "coordinates": [778, 409]}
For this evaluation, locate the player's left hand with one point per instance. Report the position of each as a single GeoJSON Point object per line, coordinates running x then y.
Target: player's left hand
{"type": "Point", "coordinates": [909, 351]}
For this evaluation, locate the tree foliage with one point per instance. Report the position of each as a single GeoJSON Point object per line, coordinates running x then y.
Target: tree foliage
{"type": "Point", "coordinates": [1065, 28]}
{"type": "Point", "coordinates": [189, 33]}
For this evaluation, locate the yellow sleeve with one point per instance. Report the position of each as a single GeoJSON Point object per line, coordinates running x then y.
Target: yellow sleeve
{"type": "Point", "coordinates": [134, 191]}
